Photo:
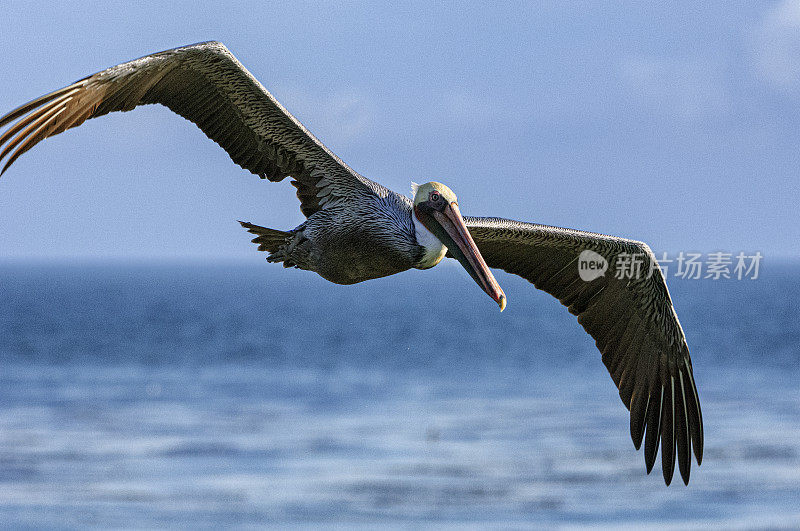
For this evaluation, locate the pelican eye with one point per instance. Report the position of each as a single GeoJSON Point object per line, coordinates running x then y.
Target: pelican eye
{"type": "Point", "coordinates": [435, 197]}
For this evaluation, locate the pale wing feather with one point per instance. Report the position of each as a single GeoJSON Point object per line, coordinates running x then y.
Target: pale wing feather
{"type": "Point", "coordinates": [632, 321]}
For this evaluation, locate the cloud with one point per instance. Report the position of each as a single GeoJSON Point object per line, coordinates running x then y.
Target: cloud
{"type": "Point", "coordinates": [466, 106]}
{"type": "Point", "coordinates": [339, 117]}
{"type": "Point", "coordinates": [689, 88]}
{"type": "Point", "coordinates": [776, 46]}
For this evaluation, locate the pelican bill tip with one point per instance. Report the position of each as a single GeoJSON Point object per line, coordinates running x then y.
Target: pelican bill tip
{"type": "Point", "coordinates": [502, 302]}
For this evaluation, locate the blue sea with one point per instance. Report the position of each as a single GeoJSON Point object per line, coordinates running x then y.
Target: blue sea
{"type": "Point", "coordinates": [203, 395]}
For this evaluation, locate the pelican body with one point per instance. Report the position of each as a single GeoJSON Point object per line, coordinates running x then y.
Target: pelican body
{"type": "Point", "coordinates": [356, 229]}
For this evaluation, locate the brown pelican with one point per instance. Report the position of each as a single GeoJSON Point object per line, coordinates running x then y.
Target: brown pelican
{"type": "Point", "coordinates": [358, 230]}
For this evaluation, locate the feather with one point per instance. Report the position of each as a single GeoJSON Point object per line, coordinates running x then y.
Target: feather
{"type": "Point", "coordinates": [632, 321]}
{"type": "Point", "coordinates": [205, 84]}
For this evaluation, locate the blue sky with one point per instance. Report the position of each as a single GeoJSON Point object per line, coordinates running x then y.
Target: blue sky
{"type": "Point", "coordinates": [676, 125]}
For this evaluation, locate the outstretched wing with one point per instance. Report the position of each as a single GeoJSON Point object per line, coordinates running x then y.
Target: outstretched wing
{"type": "Point", "coordinates": [631, 319]}
{"type": "Point", "coordinates": [203, 83]}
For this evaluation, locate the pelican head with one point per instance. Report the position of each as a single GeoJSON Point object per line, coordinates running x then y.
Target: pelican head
{"type": "Point", "coordinates": [436, 208]}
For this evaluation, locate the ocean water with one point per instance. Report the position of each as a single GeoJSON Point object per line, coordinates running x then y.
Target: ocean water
{"type": "Point", "coordinates": [207, 395]}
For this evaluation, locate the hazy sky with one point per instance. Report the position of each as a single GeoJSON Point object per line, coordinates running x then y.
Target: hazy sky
{"type": "Point", "coordinates": [676, 125]}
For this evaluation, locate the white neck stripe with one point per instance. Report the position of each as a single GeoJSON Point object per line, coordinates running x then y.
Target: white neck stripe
{"type": "Point", "coordinates": [434, 249]}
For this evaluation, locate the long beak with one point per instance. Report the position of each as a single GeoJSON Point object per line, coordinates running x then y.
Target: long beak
{"type": "Point", "coordinates": [467, 252]}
